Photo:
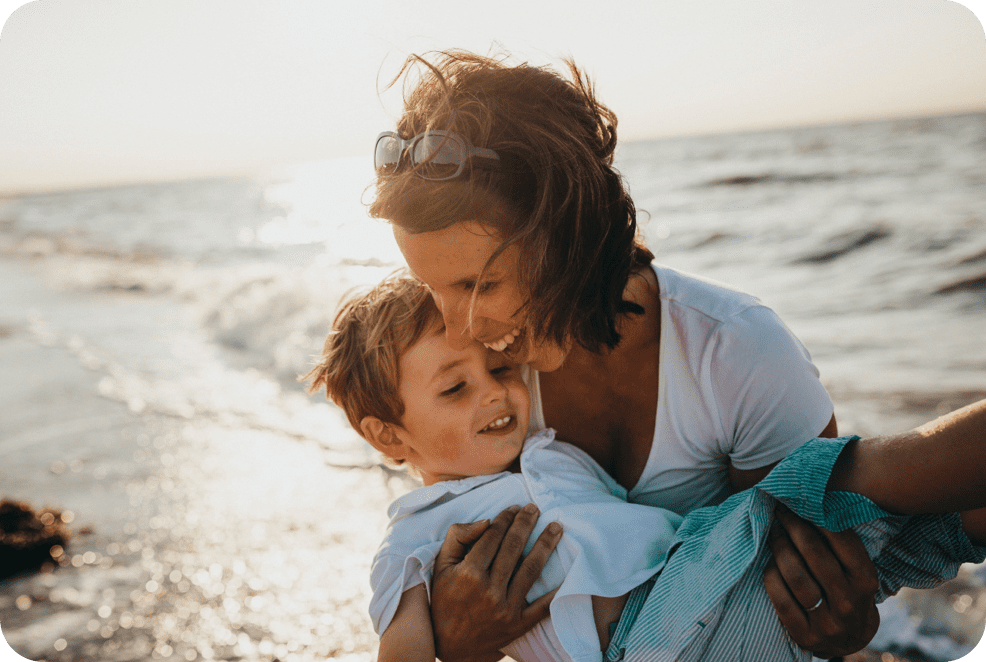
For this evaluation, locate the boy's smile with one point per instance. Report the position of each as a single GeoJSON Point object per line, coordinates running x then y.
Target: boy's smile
{"type": "Point", "coordinates": [465, 410]}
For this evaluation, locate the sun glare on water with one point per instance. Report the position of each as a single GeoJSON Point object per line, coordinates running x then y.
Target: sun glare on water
{"type": "Point", "coordinates": [325, 203]}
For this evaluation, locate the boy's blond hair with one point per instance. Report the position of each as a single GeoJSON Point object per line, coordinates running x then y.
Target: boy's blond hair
{"type": "Point", "coordinates": [360, 363]}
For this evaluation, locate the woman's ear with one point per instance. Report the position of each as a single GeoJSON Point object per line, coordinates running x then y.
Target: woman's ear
{"type": "Point", "coordinates": [381, 436]}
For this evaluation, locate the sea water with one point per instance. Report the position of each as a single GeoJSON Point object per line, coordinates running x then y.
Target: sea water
{"type": "Point", "coordinates": [197, 304]}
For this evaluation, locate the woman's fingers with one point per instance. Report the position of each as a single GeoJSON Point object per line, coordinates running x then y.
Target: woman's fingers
{"type": "Point", "coordinates": [802, 558]}
{"type": "Point", "coordinates": [538, 610]}
{"type": "Point", "coordinates": [458, 541]}
{"type": "Point", "coordinates": [789, 610]}
{"type": "Point", "coordinates": [532, 565]}
{"type": "Point", "coordinates": [859, 570]}
{"type": "Point", "coordinates": [822, 586]}
{"type": "Point", "coordinates": [484, 548]}
{"type": "Point", "coordinates": [512, 545]}
{"type": "Point", "coordinates": [478, 603]}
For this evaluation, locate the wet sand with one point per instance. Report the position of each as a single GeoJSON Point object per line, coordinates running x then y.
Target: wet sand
{"type": "Point", "coordinates": [193, 539]}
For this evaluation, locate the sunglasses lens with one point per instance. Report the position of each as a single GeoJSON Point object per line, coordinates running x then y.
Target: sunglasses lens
{"type": "Point", "coordinates": [438, 156]}
{"type": "Point", "coordinates": [438, 150]}
{"type": "Point", "coordinates": [387, 154]}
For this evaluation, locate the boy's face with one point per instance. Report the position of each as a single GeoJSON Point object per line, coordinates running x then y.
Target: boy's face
{"type": "Point", "coordinates": [465, 411]}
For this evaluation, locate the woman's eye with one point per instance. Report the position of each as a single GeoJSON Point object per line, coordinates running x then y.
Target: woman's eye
{"type": "Point", "coordinates": [484, 288]}
{"type": "Point", "coordinates": [455, 389]}
{"type": "Point", "coordinates": [501, 370]}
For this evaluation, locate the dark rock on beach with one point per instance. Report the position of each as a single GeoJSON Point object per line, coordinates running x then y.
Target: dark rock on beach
{"type": "Point", "coordinates": [29, 539]}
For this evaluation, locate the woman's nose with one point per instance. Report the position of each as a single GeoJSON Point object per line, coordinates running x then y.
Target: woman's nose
{"type": "Point", "coordinates": [456, 316]}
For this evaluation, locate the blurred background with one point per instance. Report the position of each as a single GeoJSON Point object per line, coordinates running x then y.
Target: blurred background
{"type": "Point", "coordinates": [182, 189]}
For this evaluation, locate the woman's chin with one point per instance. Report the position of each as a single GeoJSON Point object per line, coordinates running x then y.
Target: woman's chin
{"type": "Point", "coordinates": [547, 357]}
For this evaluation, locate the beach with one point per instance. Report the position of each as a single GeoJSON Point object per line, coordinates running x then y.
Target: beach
{"type": "Point", "coordinates": [195, 537]}
{"type": "Point", "coordinates": [151, 336]}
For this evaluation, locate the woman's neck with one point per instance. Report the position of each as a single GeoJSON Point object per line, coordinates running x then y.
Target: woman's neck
{"type": "Point", "coordinates": [588, 399]}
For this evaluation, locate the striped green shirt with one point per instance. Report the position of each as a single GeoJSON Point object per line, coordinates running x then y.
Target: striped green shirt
{"type": "Point", "coordinates": [709, 603]}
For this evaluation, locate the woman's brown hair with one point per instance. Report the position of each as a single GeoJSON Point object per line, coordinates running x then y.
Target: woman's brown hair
{"type": "Point", "coordinates": [554, 192]}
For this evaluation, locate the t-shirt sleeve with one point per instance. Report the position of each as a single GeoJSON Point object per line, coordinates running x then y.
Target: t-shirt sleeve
{"type": "Point", "coordinates": [392, 574]}
{"type": "Point", "coordinates": [766, 389]}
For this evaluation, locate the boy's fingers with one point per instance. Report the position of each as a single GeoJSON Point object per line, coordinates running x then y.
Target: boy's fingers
{"type": "Point", "coordinates": [532, 565]}
{"type": "Point", "coordinates": [512, 546]}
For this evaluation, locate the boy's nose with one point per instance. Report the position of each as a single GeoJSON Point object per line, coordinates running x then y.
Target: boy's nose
{"type": "Point", "coordinates": [496, 391]}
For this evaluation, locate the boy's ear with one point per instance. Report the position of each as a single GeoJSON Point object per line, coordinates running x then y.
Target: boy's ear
{"type": "Point", "coordinates": [381, 436]}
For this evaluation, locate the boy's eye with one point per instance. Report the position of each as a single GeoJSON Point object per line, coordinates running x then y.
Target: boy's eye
{"type": "Point", "coordinates": [455, 389]}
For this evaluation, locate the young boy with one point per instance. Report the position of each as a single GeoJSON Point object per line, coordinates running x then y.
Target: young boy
{"type": "Point", "coordinates": [459, 418]}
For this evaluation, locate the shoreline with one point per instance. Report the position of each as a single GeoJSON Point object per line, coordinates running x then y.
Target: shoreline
{"type": "Point", "coordinates": [194, 538]}
{"type": "Point", "coordinates": [202, 533]}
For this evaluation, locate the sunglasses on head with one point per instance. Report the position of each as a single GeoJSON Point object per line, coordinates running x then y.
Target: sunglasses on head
{"type": "Point", "coordinates": [434, 155]}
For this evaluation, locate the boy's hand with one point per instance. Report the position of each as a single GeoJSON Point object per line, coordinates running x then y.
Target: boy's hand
{"type": "Point", "coordinates": [822, 585]}
{"type": "Point", "coordinates": [478, 599]}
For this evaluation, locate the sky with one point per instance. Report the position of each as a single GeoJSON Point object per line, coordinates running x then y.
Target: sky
{"type": "Point", "coordinates": [117, 91]}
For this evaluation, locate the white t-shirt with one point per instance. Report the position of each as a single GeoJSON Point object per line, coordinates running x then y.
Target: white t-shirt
{"type": "Point", "coordinates": [609, 547]}
{"type": "Point", "coordinates": [736, 386]}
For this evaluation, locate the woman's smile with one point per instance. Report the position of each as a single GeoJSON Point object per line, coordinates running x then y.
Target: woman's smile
{"type": "Point", "coordinates": [504, 342]}
{"type": "Point", "coordinates": [479, 300]}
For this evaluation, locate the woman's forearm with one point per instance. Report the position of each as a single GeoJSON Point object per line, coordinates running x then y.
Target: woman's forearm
{"type": "Point", "coordinates": [937, 467]}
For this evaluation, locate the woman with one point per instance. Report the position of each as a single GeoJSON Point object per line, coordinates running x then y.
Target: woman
{"type": "Point", "coordinates": [500, 187]}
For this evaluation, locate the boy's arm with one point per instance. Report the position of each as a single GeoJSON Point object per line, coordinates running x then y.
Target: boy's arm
{"type": "Point", "coordinates": [936, 468]}
{"type": "Point", "coordinates": [409, 637]}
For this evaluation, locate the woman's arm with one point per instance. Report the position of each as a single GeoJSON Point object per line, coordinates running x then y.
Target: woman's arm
{"type": "Point", "coordinates": [807, 563]}
{"type": "Point", "coordinates": [478, 601]}
{"type": "Point", "coordinates": [936, 468]}
{"type": "Point", "coordinates": [409, 636]}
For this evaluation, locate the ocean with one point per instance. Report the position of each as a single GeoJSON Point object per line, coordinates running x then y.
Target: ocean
{"type": "Point", "coordinates": [152, 336]}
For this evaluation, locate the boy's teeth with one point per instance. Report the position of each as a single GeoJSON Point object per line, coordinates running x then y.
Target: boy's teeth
{"type": "Point", "coordinates": [498, 423]}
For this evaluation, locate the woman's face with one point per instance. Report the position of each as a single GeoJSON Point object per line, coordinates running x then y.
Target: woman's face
{"type": "Point", "coordinates": [449, 262]}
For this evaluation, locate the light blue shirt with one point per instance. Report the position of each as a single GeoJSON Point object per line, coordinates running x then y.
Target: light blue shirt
{"type": "Point", "coordinates": [609, 546]}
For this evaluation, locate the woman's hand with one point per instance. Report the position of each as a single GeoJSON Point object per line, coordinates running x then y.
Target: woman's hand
{"type": "Point", "coordinates": [822, 585]}
{"type": "Point", "coordinates": [478, 598]}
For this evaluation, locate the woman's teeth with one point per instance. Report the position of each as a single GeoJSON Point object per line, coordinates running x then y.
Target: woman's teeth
{"type": "Point", "coordinates": [498, 423]}
{"type": "Point", "coordinates": [502, 343]}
